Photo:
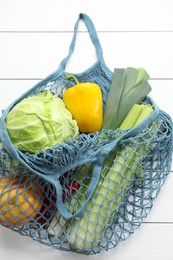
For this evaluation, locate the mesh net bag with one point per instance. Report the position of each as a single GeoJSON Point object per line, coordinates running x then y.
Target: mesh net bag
{"type": "Point", "coordinates": [89, 193]}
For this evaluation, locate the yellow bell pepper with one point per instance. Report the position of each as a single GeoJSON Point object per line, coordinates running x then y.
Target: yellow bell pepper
{"type": "Point", "coordinates": [84, 101]}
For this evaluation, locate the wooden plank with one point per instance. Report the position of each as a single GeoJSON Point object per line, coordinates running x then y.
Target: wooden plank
{"type": "Point", "coordinates": [52, 15]}
{"type": "Point", "coordinates": [35, 55]}
{"type": "Point", "coordinates": [35, 36]}
{"type": "Point", "coordinates": [12, 89]}
{"type": "Point", "coordinates": [150, 241]}
{"type": "Point", "coordinates": [162, 94]}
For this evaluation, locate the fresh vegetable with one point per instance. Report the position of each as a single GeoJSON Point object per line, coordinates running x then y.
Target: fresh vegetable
{"type": "Point", "coordinates": [84, 101]}
{"type": "Point", "coordinates": [20, 201]}
{"type": "Point", "coordinates": [70, 188]}
{"type": "Point", "coordinates": [129, 86]}
{"type": "Point", "coordinates": [85, 233]}
{"type": "Point", "coordinates": [57, 227]}
{"type": "Point", "coordinates": [58, 224]}
{"type": "Point", "coordinates": [40, 122]}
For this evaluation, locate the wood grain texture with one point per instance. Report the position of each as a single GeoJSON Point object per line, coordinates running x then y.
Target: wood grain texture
{"type": "Point", "coordinates": [151, 241]}
{"type": "Point", "coordinates": [35, 37]}
{"type": "Point", "coordinates": [35, 55]}
{"type": "Point", "coordinates": [110, 15]}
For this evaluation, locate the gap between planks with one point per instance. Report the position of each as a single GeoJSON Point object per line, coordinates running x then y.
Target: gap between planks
{"type": "Point", "coordinates": [43, 78]}
{"type": "Point", "coordinates": [80, 31]}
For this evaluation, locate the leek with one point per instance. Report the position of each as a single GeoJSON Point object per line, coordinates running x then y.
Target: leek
{"type": "Point", "coordinates": [129, 86]}
{"type": "Point", "coordinates": [85, 233]}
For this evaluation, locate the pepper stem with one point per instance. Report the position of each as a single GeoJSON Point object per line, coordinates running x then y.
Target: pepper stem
{"type": "Point", "coordinates": [70, 76]}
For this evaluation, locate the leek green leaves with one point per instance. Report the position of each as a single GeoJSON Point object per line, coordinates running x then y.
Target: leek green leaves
{"type": "Point", "coordinates": [129, 86]}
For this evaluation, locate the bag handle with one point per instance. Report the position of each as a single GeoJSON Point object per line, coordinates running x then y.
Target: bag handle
{"type": "Point", "coordinates": [94, 181]}
{"type": "Point", "coordinates": [99, 163]}
{"type": "Point", "coordinates": [97, 168]}
{"type": "Point", "coordinates": [93, 36]}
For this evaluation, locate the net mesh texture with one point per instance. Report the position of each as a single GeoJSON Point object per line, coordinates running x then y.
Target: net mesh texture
{"type": "Point", "coordinates": [131, 176]}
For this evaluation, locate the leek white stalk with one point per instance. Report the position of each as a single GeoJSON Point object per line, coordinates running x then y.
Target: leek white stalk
{"type": "Point", "coordinates": [85, 233]}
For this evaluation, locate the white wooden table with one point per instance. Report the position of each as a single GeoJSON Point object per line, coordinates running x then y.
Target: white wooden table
{"type": "Point", "coordinates": [35, 36]}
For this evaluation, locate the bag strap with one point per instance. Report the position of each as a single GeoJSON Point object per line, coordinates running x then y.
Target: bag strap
{"type": "Point", "coordinates": [93, 36]}
{"type": "Point", "coordinates": [64, 211]}
{"type": "Point", "coordinates": [99, 163]}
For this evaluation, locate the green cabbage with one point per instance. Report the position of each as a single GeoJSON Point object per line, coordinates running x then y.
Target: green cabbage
{"type": "Point", "coordinates": [40, 122]}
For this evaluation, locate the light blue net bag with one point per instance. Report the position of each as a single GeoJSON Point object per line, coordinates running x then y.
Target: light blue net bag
{"type": "Point", "coordinates": [90, 193]}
